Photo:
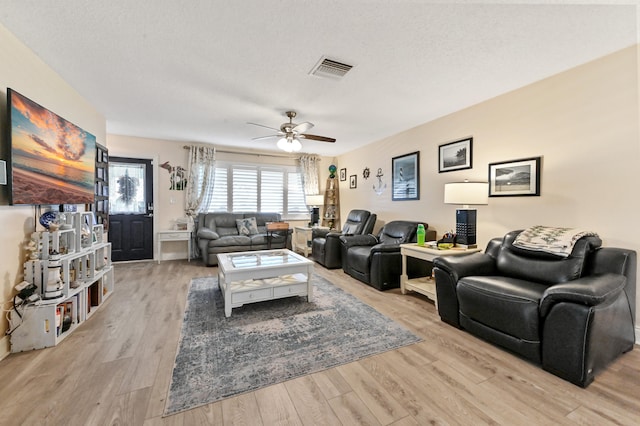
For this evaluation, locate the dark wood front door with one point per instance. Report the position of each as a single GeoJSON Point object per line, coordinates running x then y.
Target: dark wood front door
{"type": "Point", "coordinates": [130, 208]}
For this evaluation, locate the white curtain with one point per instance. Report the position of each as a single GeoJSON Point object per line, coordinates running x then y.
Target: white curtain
{"type": "Point", "coordinates": [309, 166]}
{"type": "Point", "coordinates": [200, 178]}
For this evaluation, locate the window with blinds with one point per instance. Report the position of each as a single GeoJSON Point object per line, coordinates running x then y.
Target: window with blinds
{"type": "Point", "coordinates": [262, 188]}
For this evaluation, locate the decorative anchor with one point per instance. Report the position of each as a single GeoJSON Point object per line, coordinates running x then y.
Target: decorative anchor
{"type": "Point", "coordinates": [381, 185]}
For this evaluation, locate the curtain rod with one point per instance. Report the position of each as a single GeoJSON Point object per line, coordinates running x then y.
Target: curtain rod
{"type": "Point", "coordinates": [250, 153]}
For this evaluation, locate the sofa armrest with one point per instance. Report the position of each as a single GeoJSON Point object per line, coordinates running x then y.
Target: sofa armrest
{"type": "Point", "coordinates": [590, 291]}
{"type": "Point", "coordinates": [207, 234]}
{"type": "Point", "coordinates": [358, 240]}
{"type": "Point", "coordinates": [448, 270]}
{"type": "Point", "coordinates": [466, 265]}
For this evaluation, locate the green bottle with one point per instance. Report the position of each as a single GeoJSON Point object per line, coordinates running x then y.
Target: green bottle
{"type": "Point", "coordinates": [420, 234]}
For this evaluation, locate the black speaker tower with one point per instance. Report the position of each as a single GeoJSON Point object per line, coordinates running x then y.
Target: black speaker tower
{"type": "Point", "coordinates": [315, 216]}
{"type": "Point", "coordinates": [466, 228]}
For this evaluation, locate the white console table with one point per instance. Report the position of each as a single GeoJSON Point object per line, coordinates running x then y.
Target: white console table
{"type": "Point", "coordinates": [425, 285]}
{"type": "Point", "coordinates": [174, 236]}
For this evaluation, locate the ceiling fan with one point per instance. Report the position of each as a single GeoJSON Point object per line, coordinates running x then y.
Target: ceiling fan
{"type": "Point", "coordinates": [289, 134]}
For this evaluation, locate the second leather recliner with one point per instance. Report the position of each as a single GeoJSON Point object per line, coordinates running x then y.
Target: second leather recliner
{"type": "Point", "coordinates": [376, 260]}
{"type": "Point", "coordinates": [325, 246]}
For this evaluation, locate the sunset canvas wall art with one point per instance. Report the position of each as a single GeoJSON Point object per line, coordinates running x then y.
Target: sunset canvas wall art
{"type": "Point", "coordinates": [52, 159]}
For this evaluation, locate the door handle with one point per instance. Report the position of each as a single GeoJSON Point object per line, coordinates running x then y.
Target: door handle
{"type": "Point", "coordinates": [149, 215]}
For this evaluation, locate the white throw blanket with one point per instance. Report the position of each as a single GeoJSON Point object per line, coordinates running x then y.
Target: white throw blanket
{"type": "Point", "coordinates": [558, 241]}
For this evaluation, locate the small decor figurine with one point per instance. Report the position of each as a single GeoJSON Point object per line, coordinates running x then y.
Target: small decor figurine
{"type": "Point", "coordinates": [32, 248]}
{"type": "Point", "coordinates": [447, 241]}
{"type": "Point", "coordinates": [332, 171]}
{"type": "Point", "coordinates": [53, 287]}
{"type": "Point", "coordinates": [50, 220]}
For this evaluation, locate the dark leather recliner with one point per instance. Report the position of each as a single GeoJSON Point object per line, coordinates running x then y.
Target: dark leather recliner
{"type": "Point", "coordinates": [571, 315]}
{"type": "Point", "coordinates": [376, 260]}
{"type": "Point", "coordinates": [325, 246]}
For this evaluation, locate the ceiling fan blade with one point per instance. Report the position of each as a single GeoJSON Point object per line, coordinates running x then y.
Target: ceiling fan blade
{"type": "Point", "coordinates": [317, 138]}
{"type": "Point", "coordinates": [280, 135]}
{"type": "Point", "coordinates": [302, 127]}
{"type": "Point", "coordinates": [266, 127]}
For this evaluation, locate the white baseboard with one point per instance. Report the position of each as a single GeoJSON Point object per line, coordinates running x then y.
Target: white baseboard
{"type": "Point", "coordinates": [638, 335]}
{"type": "Point", "coordinates": [173, 256]}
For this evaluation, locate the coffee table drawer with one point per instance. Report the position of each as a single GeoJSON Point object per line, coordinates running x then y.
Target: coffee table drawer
{"type": "Point", "coordinates": [290, 290]}
{"type": "Point", "coordinates": [251, 296]}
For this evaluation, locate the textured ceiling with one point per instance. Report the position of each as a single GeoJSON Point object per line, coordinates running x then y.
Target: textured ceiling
{"type": "Point", "coordinates": [199, 70]}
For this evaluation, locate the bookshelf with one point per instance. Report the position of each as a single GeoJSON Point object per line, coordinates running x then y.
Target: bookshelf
{"type": "Point", "coordinates": [101, 203]}
{"type": "Point", "coordinates": [331, 216]}
{"type": "Point", "coordinates": [73, 275]}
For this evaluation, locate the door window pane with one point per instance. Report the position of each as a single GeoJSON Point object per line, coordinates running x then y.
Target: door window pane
{"type": "Point", "coordinates": [126, 188]}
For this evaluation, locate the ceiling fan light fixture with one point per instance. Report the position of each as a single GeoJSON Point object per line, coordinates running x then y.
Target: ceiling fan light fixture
{"type": "Point", "coordinates": [289, 135]}
{"type": "Point", "coordinates": [289, 144]}
{"type": "Point", "coordinates": [283, 144]}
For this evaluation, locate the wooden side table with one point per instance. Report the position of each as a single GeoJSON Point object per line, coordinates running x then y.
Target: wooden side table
{"type": "Point", "coordinates": [276, 228]}
{"type": "Point", "coordinates": [302, 239]}
{"type": "Point", "coordinates": [174, 236]}
{"type": "Point", "coordinates": [425, 285]}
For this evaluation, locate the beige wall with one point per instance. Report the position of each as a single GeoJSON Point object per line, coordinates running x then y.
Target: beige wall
{"type": "Point", "coordinates": [583, 122]}
{"type": "Point", "coordinates": [24, 72]}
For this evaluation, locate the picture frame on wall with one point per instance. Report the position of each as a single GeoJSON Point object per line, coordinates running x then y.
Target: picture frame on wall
{"type": "Point", "coordinates": [343, 175]}
{"type": "Point", "coordinates": [456, 155]}
{"type": "Point", "coordinates": [353, 181]}
{"type": "Point", "coordinates": [405, 181]}
{"type": "Point", "coordinates": [515, 178]}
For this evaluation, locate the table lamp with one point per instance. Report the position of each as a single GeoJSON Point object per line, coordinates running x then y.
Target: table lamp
{"type": "Point", "coordinates": [314, 201]}
{"type": "Point", "coordinates": [466, 193]}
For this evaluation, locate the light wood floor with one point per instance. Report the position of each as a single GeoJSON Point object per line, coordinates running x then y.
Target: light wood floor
{"type": "Point", "coordinates": [116, 368]}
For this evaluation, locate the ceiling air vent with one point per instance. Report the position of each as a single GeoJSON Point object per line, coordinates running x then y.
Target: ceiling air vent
{"type": "Point", "coordinates": [329, 68]}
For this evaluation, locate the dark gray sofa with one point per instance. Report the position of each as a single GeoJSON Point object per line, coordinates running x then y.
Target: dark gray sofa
{"type": "Point", "coordinates": [218, 233]}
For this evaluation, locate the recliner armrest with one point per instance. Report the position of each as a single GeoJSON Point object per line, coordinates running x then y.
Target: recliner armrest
{"type": "Point", "coordinates": [336, 235]}
{"type": "Point", "coordinates": [358, 240]}
{"type": "Point", "coordinates": [385, 248]}
{"type": "Point", "coordinates": [590, 290]}
{"type": "Point", "coordinates": [319, 233]}
{"type": "Point", "coordinates": [466, 265]}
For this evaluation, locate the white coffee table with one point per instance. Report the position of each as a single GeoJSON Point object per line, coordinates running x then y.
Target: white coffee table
{"type": "Point", "coordinates": [256, 276]}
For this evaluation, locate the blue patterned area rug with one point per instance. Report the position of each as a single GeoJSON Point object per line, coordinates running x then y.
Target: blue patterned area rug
{"type": "Point", "coordinates": [265, 343]}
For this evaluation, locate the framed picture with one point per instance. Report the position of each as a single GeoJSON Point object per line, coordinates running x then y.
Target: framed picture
{"type": "Point", "coordinates": [515, 178]}
{"type": "Point", "coordinates": [353, 181]}
{"type": "Point", "coordinates": [343, 175]}
{"type": "Point", "coordinates": [456, 155]}
{"type": "Point", "coordinates": [405, 181]}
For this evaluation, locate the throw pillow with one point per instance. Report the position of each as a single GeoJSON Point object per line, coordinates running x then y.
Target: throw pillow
{"type": "Point", "coordinates": [247, 226]}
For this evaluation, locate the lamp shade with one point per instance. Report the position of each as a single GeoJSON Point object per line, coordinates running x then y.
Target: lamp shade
{"type": "Point", "coordinates": [314, 200]}
{"type": "Point", "coordinates": [466, 193]}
